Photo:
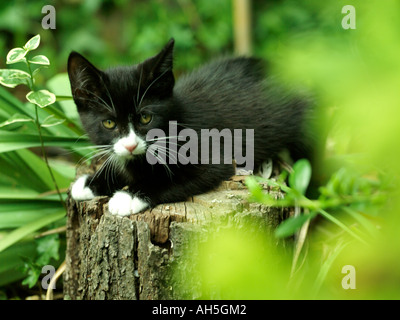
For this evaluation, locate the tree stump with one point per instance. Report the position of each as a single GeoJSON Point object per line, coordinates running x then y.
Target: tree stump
{"type": "Point", "coordinates": [134, 257]}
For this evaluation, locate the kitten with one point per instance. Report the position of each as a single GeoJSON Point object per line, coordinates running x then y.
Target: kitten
{"type": "Point", "coordinates": [119, 107]}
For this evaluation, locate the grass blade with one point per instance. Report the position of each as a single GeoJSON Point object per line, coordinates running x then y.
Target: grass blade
{"type": "Point", "coordinates": [18, 234]}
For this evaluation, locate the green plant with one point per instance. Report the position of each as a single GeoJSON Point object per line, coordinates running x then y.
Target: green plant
{"type": "Point", "coordinates": [345, 190]}
{"type": "Point", "coordinates": [32, 186]}
{"type": "Point", "coordinates": [40, 98]}
{"type": "Point", "coordinates": [348, 202]}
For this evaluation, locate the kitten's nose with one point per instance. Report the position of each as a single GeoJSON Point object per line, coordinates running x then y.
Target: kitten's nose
{"type": "Point", "coordinates": [131, 147]}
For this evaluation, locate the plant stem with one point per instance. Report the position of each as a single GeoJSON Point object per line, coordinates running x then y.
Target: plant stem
{"type": "Point", "coordinates": [340, 224]}
{"type": "Point", "coordinates": [31, 86]}
{"type": "Point", "coordinates": [44, 154]}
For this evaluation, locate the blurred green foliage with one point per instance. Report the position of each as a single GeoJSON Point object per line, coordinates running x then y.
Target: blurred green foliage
{"type": "Point", "coordinates": [355, 75]}
{"type": "Point", "coordinates": [112, 32]}
{"type": "Point", "coordinates": [121, 32]}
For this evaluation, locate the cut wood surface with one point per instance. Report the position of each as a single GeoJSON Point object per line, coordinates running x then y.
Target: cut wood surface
{"type": "Point", "coordinates": [112, 257]}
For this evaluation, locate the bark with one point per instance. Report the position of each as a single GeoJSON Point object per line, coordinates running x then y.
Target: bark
{"type": "Point", "coordinates": [141, 256]}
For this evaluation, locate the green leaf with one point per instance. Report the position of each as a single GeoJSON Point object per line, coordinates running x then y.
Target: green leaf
{"type": "Point", "coordinates": [11, 105]}
{"type": "Point", "coordinates": [16, 55]}
{"type": "Point", "coordinates": [16, 213]}
{"type": "Point", "coordinates": [37, 70]}
{"type": "Point", "coordinates": [254, 188]}
{"type": "Point", "coordinates": [40, 59]}
{"type": "Point", "coordinates": [299, 179]}
{"type": "Point", "coordinates": [42, 98]}
{"type": "Point", "coordinates": [38, 170]}
{"type": "Point", "coordinates": [33, 273]}
{"type": "Point", "coordinates": [8, 194]}
{"type": "Point", "coordinates": [33, 43]}
{"type": "Point", "coordinates": [17, 234]}
{"type": "Point", "coordinates": [64, 98]}
{"type": "Point", "coordinates": [327, 265]}
{"type": "Point", "coordinates": [291, 225]}
{"type": "Point", "coordinates": [11, 262]}
{"type": "Point", "coordinates": [13, 77]}
{"type": "Point", "coordinates": [25, 175]}
{"type": "Point", "coordinates": [17, 118]}
{"type": "Point", "coordinates": [48, 248]}
{"type": "Point", "coordinates": [362, 220]}
{"type": "Point", "coordinates": [15, 140]}
{"type": "Point", "coordinates": [51, 121]}
{"type": "Point", "coordinates": [340, 224]}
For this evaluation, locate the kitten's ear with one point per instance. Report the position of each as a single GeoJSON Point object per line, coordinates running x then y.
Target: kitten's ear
{"type": "Point", "coordinates": [84, 77]}
{"type": "Point", "coordinates": [163, 62]}
{"type": "Point", "coordinates": [157, 71]}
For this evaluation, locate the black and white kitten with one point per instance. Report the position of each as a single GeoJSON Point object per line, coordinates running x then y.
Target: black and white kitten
{"type": "Point", "coordinates": [118, 107]}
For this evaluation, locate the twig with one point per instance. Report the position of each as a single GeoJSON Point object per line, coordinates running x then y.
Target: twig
{"type": "Point", "coordinates": [59, 272]}
{"type": "Point", "coordinates": [52, 231]}
{"type": "Point", "coordinates": [301, 238]}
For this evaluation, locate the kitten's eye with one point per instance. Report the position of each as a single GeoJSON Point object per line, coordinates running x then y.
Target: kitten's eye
{"type": "Point", "coordinates": [109, 124]}
{"type": "Point", "coordinates": [145, 118]}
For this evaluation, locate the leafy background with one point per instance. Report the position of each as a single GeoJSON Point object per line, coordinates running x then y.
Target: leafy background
{"type": "Point", "coordinates": [354, 74]}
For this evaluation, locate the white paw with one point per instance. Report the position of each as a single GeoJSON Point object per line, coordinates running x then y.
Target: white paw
{"type": "Point", "coordinates": [266, 169]}
{"type": "Point", "coordinates": [123, 204]}
{"type": "Point", "coordinates": [79, 191]}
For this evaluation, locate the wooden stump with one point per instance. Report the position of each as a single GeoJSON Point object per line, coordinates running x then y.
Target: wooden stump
{"type": "Point", "coordinates": [109, 257]}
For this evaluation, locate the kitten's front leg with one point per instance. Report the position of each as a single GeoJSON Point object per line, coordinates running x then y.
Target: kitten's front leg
{"type": "Point", "coordinates": [80, 189]}
{"type": "Point", "coordinates": [87, 187]}
{"type": "Point", "coordinates": [147, 194]}
{"type": "Point", "coordinates": [124, 203]}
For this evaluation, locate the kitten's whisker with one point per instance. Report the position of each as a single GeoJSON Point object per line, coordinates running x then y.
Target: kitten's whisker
{"type": "Point", "coordinates": [186, 125]}
{"type": "Point", "coordinates": [165, 165]}
{"type": "Point", "coordinates": [108, 170]}
{"type": "Point", "coordinates": [169, 142]}
{"type": "Point", "coordinates": [164, 138]}
{"type": "Point", "coordinates": [105, 163]}
{"type": "Point", "coordinates": [112, 169]}
{"type": "Point", "coordinates": [103, 154]}
{"type": "Point", "coordinates": [105, 104]}
{"type": "Point", "coordinates": [87, 160]}
{"type": "Point", "coordinates": [134, 102]}
{"type": "Point", "coordinates": [91, 155]}
{"type": "Point", "coordinates": [93, 147]}
{"type": "Point", "coordinates": [171, 150]}
{"type": "Point", "coordinates": [97, 102]}
{"type": "Point", "coordinates": [108, 94]}
{"type": "Point", "coordinates": [151, 84]}
{"type": "Point", "coordinates": [168, 154]}
{"type": "Point", "coordinates": [174, 144]}
{"type": "Point", "coordinates": [138, 91]}
{"type": "Point", "coordinates": [98, 155]}
{"type": "Point", "coordinates": [79, 138]}
{"type": "Point", "coordinates": [174, 153]}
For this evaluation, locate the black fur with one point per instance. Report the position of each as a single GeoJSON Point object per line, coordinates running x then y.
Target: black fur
{"type": "Point", "coordinates": [231, 93]}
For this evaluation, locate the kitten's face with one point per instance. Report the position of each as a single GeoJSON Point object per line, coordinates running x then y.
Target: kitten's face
{"type": "Point", "coordinates": [119, 106]}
